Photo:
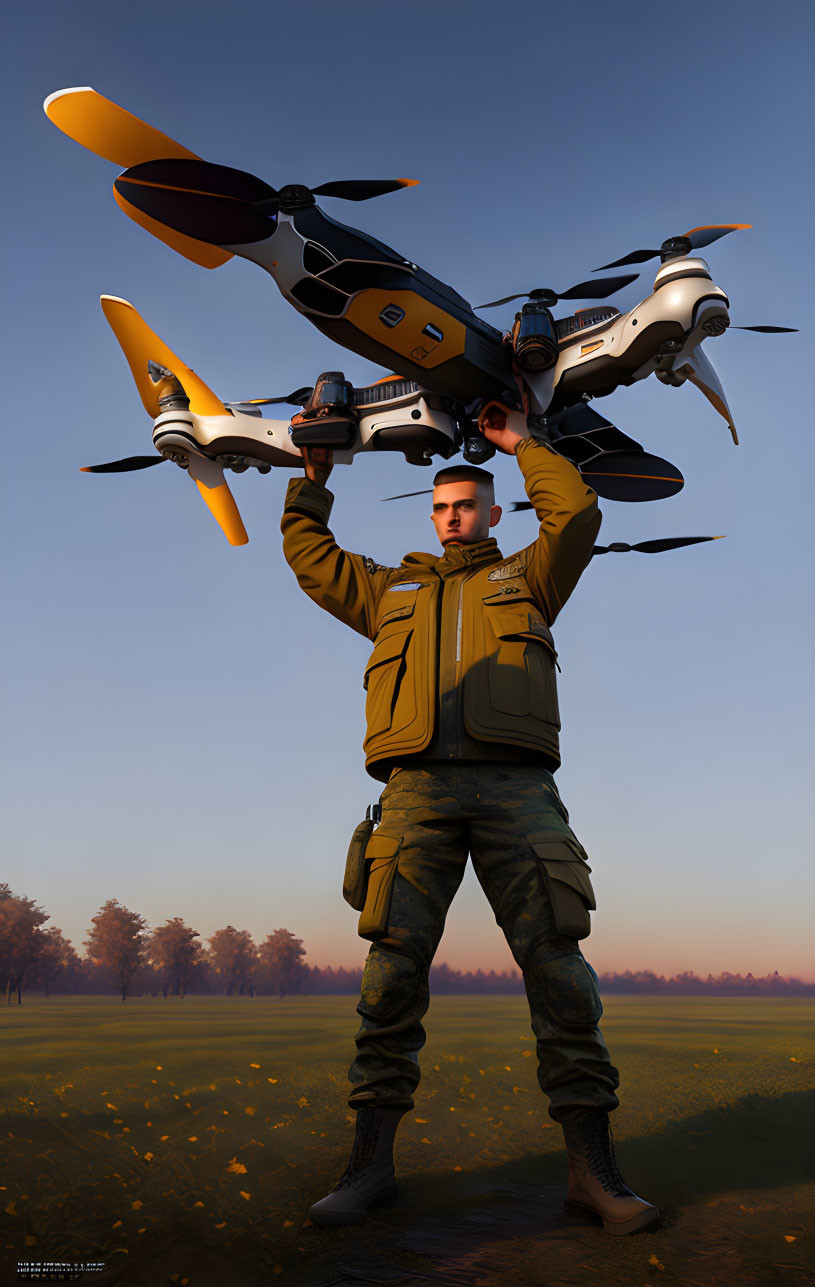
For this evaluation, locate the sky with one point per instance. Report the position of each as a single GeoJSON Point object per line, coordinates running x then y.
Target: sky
{"type": "Point", "coordinates": [182, 727]}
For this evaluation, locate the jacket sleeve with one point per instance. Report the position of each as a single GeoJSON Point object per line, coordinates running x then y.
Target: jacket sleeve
{"type": "Point", "coordinates": [569, 522]}
{"type": "Point", "coordinates": [349, 586]}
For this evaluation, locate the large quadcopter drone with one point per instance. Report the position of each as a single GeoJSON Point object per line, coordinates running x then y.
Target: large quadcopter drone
{"type": "Point", "coordinates": [449, 364]}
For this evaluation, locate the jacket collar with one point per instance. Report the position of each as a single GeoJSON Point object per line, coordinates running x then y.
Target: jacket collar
{"type": "Point", "coordinates": [479, 554]}
{"type": "Point", "coordinates": [476, 554]}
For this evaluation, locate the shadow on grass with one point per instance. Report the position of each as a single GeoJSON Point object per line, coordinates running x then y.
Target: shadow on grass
{"type": "Point", "coordinates": [443, 1222]}
{"type": "Point", "coordinates": [758, 1143]}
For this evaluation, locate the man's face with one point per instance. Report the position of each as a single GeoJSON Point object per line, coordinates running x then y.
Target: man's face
{"type": "Point", "coordinates": [463, 512]}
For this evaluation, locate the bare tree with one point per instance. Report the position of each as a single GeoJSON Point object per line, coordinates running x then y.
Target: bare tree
{"type": "Point", "coordinates": [174, 953]}
{"type": "Point", "coordinates": [20, 940]}
{"type": "Point", "coordinates": [117, 941]}
{"type": "Point", "coordinates": [281, 963]}
{"type": "Point", "coordinates": [234, 957]}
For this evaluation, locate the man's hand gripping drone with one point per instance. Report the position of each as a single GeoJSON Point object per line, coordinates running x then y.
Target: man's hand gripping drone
{"type": "Point", "coordinates": [450, 363]}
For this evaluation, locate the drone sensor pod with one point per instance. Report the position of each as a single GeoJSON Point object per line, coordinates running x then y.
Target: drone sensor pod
{"type": "Point", "coordinates": [534, 338]}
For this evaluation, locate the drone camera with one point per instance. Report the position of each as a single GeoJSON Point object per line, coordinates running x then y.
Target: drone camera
{"type": "Point", "coordinates": [534, 337]}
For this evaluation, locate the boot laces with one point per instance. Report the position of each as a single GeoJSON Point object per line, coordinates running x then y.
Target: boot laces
{"type": "Point", "coordinates": [365, 1146]}
{"type": "Point", "coordinates": [600, 1157]}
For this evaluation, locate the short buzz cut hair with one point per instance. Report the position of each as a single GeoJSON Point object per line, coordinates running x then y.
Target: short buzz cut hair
{"type": "Point", "coordinates": [466, 474]}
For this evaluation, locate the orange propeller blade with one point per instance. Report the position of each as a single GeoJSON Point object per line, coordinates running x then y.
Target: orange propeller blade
{"type": "Point", "coordinates": [108, 130]}
{"type": "Point", "coordinates": [219, 500]}
{"type": "Point", "coordinates": [198, 251]}
{"type": "Point", "coordinates": [115, 134]}
{"type": "Point", "coordinates": [140, 345]}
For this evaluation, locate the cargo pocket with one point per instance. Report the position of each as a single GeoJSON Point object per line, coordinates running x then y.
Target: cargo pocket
{"type": "Point", "coordinates": [566, 874]}
{"type": "Point", "coordinates": [521, 677]}
{"type": "Point", "coordinates": [381, 856]}
{"type": "Point", "coordinates": [383, 675]}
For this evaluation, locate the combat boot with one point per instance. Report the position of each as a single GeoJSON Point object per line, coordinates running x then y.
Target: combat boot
{"type": "Point", "coordinates": [369, 1177]}
{"type": "Point", "coordinates": [595, 1184]}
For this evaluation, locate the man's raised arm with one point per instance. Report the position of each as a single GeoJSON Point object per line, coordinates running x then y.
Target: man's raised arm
{"type": "Point", "coordinates": [565, 507]}
{"type": "Point", "coordinates": [348, 586]}
{"type": "Point", "coordinates": [569, 522]}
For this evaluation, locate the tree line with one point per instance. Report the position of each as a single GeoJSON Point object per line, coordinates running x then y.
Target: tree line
{"type": "Point", "coordinates": [124, 956]}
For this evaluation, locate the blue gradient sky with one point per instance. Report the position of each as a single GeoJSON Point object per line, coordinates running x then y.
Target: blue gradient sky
{"type": "Point", "coordinates": [182, 726]}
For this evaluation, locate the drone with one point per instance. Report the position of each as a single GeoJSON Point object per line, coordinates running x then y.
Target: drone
{"type": "Point", "coordinates": [448, 365]}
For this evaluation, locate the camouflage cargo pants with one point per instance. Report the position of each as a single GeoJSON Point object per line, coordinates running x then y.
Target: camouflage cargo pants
{"type": "Point", "coordinates": [532, 869]}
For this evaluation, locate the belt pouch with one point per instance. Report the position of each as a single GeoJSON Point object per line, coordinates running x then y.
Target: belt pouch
{"type": "Point", "coordinates": [354, 881]}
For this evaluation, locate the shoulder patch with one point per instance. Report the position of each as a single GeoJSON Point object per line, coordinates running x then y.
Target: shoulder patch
{"type": "Point", "coordinates": [514, 567]}
{"type": "Point", "coordinates": [371, 566]}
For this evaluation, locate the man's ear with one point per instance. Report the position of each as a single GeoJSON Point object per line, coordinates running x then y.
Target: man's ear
{"type": "Point", "coordinates": [495, 515]}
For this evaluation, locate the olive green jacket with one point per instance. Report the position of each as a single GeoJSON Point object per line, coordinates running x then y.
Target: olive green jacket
{"type": "Point", "coordinates": [462, 652]}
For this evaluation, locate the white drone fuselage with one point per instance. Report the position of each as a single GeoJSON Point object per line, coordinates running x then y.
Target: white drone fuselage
{"type": "Point", "coordinates": [661, 335]}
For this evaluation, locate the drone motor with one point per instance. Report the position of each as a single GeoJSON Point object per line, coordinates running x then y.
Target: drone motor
{"type": "Point", "coordinates": [535, 338]}
{"type": "Point", "coordinates": [329, 418]}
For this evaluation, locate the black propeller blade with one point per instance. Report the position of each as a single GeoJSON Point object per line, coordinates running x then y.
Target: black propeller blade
{"type": "Point", "coordinates": [217, 220]}
{"type": "Point", "coordinates": [124, 466]}
{"type": "Point", "coordinates": [297, 399]}
{"type": "Point", "coordinates": [424, 492]}
{"type": "Point", "coordinates": [599, 288]}
{"type": "Point", "coordinates": [203, 177]}
{"type": "Point", "coordinates": [767, 330]}
{"type": "Point", "coordinates": [653, 547]}
{"type": "Point", "coordinates": [362, 189]}
{"type": "Point", "coordinates": [675, 246]}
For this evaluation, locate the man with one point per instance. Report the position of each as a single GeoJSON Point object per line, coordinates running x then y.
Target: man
{"type": "Point", "coordinates": [463, 727]}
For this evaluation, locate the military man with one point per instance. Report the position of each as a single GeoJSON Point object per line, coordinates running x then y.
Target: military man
{"type": "Point", "coordinates": [462, 725]}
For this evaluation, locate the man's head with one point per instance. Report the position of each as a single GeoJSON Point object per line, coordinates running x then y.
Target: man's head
{"type": "Point", "coordinates": [464, 507]}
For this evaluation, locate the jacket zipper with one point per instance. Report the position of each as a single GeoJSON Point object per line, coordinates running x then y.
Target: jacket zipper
{"type": "Point", "coordinates": [457, 717]}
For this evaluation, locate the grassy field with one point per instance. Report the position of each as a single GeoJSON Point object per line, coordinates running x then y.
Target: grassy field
{"type": "Point", "coordinates": [181, 1142]}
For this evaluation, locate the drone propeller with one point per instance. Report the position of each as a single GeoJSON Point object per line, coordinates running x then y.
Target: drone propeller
{"type": "Point", "coordinates": [653, 547]}
{"type": "Point", "coordinates": [676, 246]}
{"type": "Point", "coordinates": [155, 368]}
{"type": "Point", "coordinates": [599, 288]}
{"type": "Point", "coordinates": [221, 205]}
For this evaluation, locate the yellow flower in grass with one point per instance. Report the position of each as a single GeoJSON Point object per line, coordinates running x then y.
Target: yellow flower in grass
{"type": "Point", "coordinates": [236, 1167]}
{"type": "Point", "coordinates": [254, 1065]}
{"type": "Point", "coordinates": [245, 1195]}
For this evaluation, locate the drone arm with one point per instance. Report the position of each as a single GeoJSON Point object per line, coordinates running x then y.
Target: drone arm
{"type": "Point", "coordinates": [569, 522]}
{"type": "Point", "coordinates": [349, 586]}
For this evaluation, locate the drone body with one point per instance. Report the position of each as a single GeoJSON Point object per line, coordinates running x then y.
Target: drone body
{"type": "Point", "coordinates": [450, 363]}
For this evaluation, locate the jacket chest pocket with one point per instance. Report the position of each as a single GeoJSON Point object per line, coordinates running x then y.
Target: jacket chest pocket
{"type": "Point", "coordinates": [383, 677]}
{"type": "Point", "coordinates": [396, 606]}
{"type": "Point", "coordinates": [522, 671]}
